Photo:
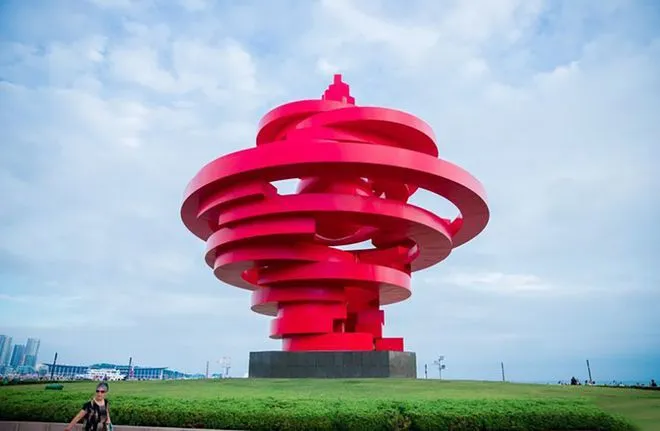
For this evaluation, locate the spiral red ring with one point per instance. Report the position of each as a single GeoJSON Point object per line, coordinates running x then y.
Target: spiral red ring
{"type": "Point", "coordinates": [358, 167]}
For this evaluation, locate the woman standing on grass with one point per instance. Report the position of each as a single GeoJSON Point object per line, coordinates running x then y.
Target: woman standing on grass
{"type": "Point", "coordinates": [95, 412]}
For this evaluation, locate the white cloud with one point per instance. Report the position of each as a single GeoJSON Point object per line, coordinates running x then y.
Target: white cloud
{"type": "Point", "coordinates": [411, 42]}
{"type": "Point", "coordinates": [325, 68]}
{"type": "Point", "coordinates": [122, 5]}
{"type": "Point", "coordinates": [495, 282]}
{"type": "Point", "coordinates": [225, 67]}
{"type": "Point", "coordinates": [475, 23]}
{"type": "Point", "coordinates": [223, 71]}
{"type": "Point", "coordinates": [140, 65]}
{"type": "Point", "coordinates": [195, 5]}
{"type": "Point", "coordinates": [116, 306]}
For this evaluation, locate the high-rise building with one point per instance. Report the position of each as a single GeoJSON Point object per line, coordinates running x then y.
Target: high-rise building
{"type": "Point", "coordinates": [17, 356]}
{"type": "Point", "coordinates": [5, 349]}
{"type": "Point", "coordinates": [31, 352]}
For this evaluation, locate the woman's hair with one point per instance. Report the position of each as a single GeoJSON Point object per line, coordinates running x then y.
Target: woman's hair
{"type": "Point", "coordinates": [103, 385]}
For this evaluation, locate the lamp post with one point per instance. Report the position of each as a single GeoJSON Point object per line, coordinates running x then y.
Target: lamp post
{"type": "Point", "coordinates": [52, 370]}
{"type": "Point", "coordinates": [440, 365]}
{"type": "Point", "coordinates": [226, 364]}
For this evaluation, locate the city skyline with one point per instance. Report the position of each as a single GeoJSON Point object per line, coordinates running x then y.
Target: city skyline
{"type": "Point", "coordinates": [19, 355]}
{"type": "Point", "coordinates": [604, 369]}
{"type": "Point", "coordinates": [110, 107]}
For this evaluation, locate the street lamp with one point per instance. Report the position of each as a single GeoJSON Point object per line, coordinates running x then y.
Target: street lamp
{"type": "Point", "coordinates": [440, 365]}
{"type": "Point", "coordinates": [226, 364]}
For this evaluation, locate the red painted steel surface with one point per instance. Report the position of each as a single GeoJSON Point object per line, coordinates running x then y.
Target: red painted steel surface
{"type": "Point", "coordinates": [357, 166]}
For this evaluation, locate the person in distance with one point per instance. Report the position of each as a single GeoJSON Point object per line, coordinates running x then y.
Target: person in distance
{"type": "Point", "coordinates": [95, 412]}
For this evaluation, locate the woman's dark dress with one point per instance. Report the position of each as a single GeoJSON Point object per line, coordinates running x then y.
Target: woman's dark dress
{"type": "Point", "coordinates": [95, 415]}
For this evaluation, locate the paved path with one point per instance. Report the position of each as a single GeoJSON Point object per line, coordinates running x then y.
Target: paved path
{"type": "Point", "coordinates": [47, 426]}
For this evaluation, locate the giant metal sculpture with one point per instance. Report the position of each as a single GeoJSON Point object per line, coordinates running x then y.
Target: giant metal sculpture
{"type": "Point", "coordinates": [358, 167]}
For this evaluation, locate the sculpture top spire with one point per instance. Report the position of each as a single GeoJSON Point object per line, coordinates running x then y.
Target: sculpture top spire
{"type": "Point", "coordinates": [339, 91]}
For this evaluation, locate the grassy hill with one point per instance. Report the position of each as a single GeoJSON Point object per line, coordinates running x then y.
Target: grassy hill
{"type": "Point", "coordinates": [346, 404]}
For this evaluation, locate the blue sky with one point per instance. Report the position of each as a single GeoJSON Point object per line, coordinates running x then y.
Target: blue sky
{"type": "Point", "coordinates": [108, 108]}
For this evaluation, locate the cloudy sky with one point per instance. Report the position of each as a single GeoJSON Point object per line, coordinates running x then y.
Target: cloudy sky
{"type": "Point", "coordinates": [109, 107]}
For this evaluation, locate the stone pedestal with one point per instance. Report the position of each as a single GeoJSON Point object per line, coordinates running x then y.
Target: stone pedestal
{"type": "Point", "coordinates": [334, 365]}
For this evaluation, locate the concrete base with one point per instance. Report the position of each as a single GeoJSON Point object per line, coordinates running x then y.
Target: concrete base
{"type": "Point", "coordinates": [337, 365]}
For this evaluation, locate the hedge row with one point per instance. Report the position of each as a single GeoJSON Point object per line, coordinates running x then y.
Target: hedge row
{"type": "Point", "coordinates": [306, 414]}
{"type": "Point", "coordinates": [16, 382]}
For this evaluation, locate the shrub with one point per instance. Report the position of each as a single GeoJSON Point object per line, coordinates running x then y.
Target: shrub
{"type": "Point", "coordinates": [54, 386]}
{"type": "Point", "coordinates": [270, 413]}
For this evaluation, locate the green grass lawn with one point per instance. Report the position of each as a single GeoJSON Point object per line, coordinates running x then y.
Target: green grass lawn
{"type": "Point", "coordinates": [641, 408]}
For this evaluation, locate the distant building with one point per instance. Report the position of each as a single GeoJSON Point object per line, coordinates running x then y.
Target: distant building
{"type": "Point", "coordinates": [17, 356]}
{"type": "Point", "coordinates": [66, 371]}
{"type": "Point", "coordinates": [25, 370]}
{"type": "Point", "coordinates": [88, 372]}
{"type": "Point", "coordinates": [5, 349]}
{"type": "Point", "coordinates": [31, 352]}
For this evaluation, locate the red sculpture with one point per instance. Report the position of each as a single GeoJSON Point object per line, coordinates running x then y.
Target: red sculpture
{"type": "Point", "coordinates": [357, 166]}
